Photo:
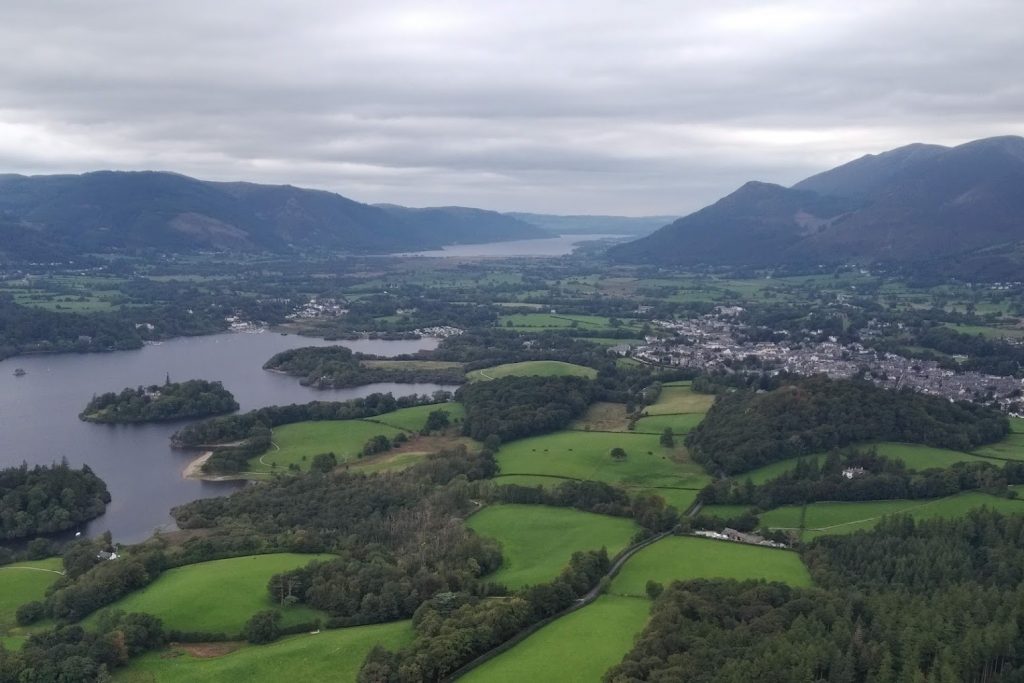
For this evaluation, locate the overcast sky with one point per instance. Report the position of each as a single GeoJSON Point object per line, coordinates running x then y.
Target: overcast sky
{"type": "Point", "coordinates": [591, 106]}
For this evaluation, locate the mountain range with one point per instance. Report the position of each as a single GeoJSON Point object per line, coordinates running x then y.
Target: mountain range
{"type": "Point", "coordinates": [52, 217]}
{"type": "Point", "coordinates": [911, 205]}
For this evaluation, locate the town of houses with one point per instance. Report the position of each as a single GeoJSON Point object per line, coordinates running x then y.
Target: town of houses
{"type": "Point", "coordinates": [710, 343]}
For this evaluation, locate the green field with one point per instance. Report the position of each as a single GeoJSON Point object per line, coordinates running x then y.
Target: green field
{"type": "Point", "coordinates": [833, 517]}
{"type": "Point", "coordinates": [553, 321]}
{"type": "Point", "coordinates": [585, 455]}
{"type": "Point", "coordinates": [412, 419]}
{"type": "Point", "coordinates": [680, 399]}
{"type": "Point", "coordinates": [297, 443]}
{"type": "Point", "coordinates": [218, 596]}
{"type": "Point", "coordinates": [326, 656]}
{"type": "Point", "coordinates": [680, 424]}
{"type": "Point", "coordinates": [23, 582]}
{"type": "Point", "coordinates": [914, 456]}
{"type": "Point", "coordinates": [533, 368]}
{"type": "Point", "coordinates": [538, 540]}
{"type": "Point", "coordinates": [1010, 448]}
{"type": "Point", "coordinates": [580, 646]}
{"type": "Point", "coordinates": [679, 558]}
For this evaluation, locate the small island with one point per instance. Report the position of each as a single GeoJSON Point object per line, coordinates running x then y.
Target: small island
{"type": "Point", "coordinates": [171, 401]}
{"type": "Point", "coordinates": [45, 500]}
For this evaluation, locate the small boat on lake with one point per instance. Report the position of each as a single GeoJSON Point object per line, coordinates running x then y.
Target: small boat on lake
{"type": "Point", "coordinates": [20, 373]}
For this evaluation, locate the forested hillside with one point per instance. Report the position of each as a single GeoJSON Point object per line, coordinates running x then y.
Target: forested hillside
{"type": "Point", "coordinates": [745, 429]}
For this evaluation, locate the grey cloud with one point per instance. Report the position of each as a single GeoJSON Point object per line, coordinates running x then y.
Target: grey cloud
{"type": "Point", "coordinates": [597, 106]}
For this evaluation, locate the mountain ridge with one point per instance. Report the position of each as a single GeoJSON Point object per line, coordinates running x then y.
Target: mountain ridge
{"type": "Point", "coordinates": [916, 203]}
{"type": "Point", "coordinates": [104, 211]}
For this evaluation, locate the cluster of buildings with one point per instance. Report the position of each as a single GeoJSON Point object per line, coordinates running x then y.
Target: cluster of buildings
{"type": "Point", "coordinates": [728, 534]}
{"type": "Point", "coordinates": [439, 331]}
{"type": "Point", "coordinates": [319, 308]}
{"type": "Point", "coordinates": [711, 343]}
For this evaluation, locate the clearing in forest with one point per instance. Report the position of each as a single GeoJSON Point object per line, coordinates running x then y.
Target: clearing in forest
{"type": "Point", "coordinates": [538, 540]}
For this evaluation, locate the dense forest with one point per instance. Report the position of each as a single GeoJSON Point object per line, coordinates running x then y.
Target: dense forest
{"type": "Point", "coordinates": [937, 600]}
{"type": "Point", "coordinates": [745, 430]}
{"type": "Point", "coordinates": [45, 500]}
{"type": "Point", "coordinates": [337, 367]}
{"type": "Point", "coordinates": [513, 407]}
{"type": "Point", "coordinates": [171, 401]}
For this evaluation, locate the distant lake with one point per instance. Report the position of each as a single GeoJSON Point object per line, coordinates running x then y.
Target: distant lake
{"type": "Point", "coordinates": [39, 414]}
{"type": "Point", "coordinates": [551, 246]}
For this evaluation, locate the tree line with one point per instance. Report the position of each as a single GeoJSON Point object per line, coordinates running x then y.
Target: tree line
{"type": "Point", "coordinates": [511, 408]}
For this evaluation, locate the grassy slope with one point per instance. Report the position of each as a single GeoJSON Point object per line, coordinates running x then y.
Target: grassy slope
{"type": "Point", "coordinates": [578, 647]}
{"type": "Point", "coordinates": [832, 517]}
{"type": "Point", "coordinates": [676, 399]}
{"type": "Point", "coordinates": [1010, 448]}
{"type": "Point", "coordinates": [915, 456]}
{"type": "Point", "coordinates": [413, 419]}
{"type": "Point", "coordinates": [217, 596]}
{"type": "Point", "coordinates": [327, 656]}
{"type": "Point", "coordinates": [687, 557]}
{"type": "Point", "coordinates": [23, 582]}
{"type": "Point", "coordinates": [585, 455]}
{"type": "Point", "coordinates": [546, 368]}
{"type": "Point", "coordinates": [297, 443]}
{"type": "Point", "coordinates": [680, 424]}
{"type": "Point", "coordinates": [537, 541]}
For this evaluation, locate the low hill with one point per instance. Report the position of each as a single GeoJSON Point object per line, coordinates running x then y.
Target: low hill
{"type": "Point", "coordinates": [53, 216]}
{"type": "Point", "coordinates": [915, 204]}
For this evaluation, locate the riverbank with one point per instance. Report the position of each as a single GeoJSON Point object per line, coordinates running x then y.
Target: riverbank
{"type": "Point", "coordinates": [194, 470]}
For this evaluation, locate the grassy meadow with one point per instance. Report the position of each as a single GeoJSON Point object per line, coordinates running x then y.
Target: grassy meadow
{"type": "Point", "coordinates": [334, 655]}
{"type": "Point", "coordinates": [412, 419]}
{"type": "Point", "coordinates": [580, 646]}
{"type": "Point", "coordinates": [297, 443]}
{"type": "Point", "coordinates": [218, 596]}
{"type": "Point", "coordinates": [835, 517]}
{"type": "Point", "coordinates": [679, 558]}
{"type": "Point", "coordinates": [678, 399]}
{"type": "Point", "coordinates": [23, 582]}
{"type": "Point", "coordinates": [532, 368]}
{"type": "Point", "coordinates": [586, 455]}
{"type": "Point", "coordinates": [680, 424]}
{"type": "Point", "coordinates": [537, 540]}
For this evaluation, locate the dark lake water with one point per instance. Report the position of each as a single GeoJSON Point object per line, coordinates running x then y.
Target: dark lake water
{"type": "Point", "coordinates": [552, 246]}
{"type": "Point", "coordinates": [39, 414]}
